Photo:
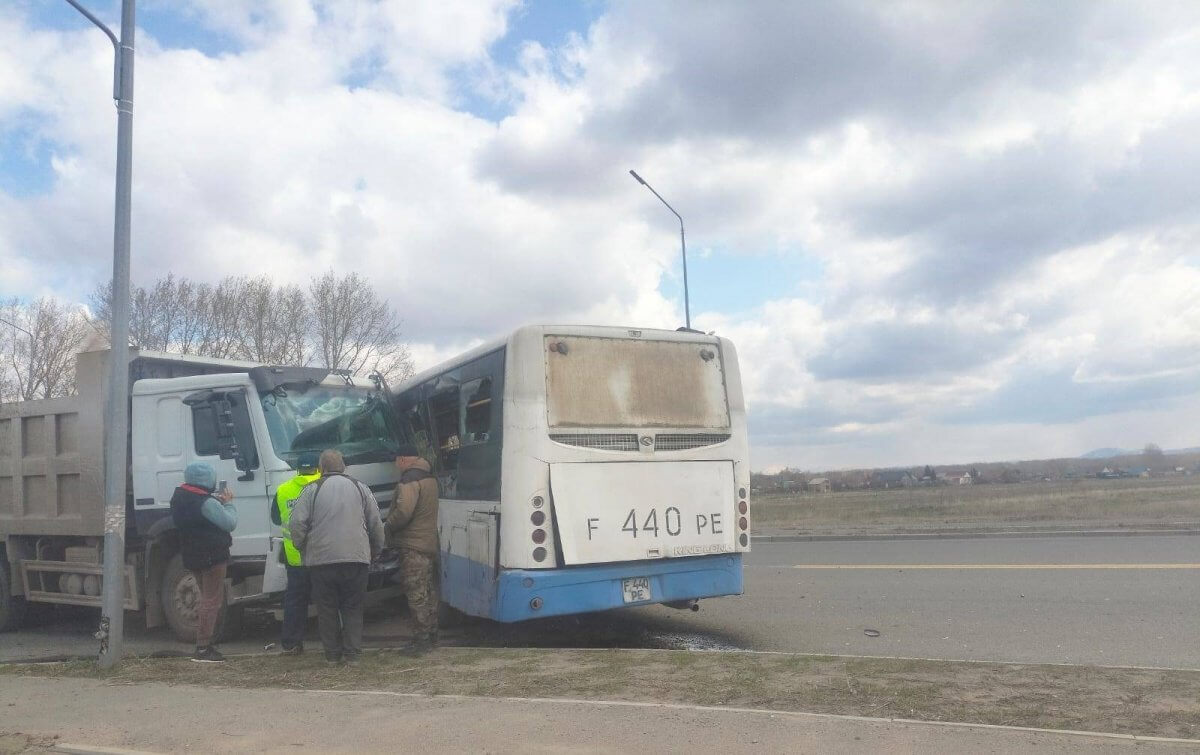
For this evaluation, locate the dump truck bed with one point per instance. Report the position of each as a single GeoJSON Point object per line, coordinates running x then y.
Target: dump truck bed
{"type": "Point", "coordinates": [52, 450]}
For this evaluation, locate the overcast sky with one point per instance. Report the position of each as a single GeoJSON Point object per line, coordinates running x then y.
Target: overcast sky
{"type": "Point", "coordinates": [938, 232]}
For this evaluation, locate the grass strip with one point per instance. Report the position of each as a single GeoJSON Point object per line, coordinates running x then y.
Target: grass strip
{"type": "Point", "coordinates": [1128, 701]}
{"type": "Point", "coordinates": [1111, 503]}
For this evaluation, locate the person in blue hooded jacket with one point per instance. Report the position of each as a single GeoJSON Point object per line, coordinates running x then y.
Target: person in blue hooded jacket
{"type": "Point", "coordinates": [204, 518]}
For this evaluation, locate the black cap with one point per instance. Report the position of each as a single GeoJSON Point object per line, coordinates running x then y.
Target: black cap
{"type": "Point", "coordinates": [308, 460]}
{"type": "Point", "coordinates": [406, 449]}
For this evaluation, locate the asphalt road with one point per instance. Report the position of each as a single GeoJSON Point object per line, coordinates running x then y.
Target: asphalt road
{"type": "Point", "coordinates": [1092, 600]}
{"type": "Point", "coordinates": [1095, 600]}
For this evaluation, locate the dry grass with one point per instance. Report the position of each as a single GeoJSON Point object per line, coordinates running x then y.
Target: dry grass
{"type": "Point", "coordinates": [1134, 701]}
{"type": "Point", "coordinates": [1129, 503]}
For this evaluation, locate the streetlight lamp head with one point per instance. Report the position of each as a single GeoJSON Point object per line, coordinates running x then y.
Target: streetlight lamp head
{"type": "Point", "coordinates": [639, 178]}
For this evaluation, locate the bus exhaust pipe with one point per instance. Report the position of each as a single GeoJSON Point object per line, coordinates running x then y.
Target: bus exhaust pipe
{"type": "Point", "coordinates": [692, 605]}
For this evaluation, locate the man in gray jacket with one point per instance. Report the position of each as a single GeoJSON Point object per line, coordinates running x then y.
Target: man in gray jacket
{"type": "Point", "coordinates": [336, 526]}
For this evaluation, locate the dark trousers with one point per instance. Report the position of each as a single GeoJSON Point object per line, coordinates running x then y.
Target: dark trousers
{"type": "Point", "coordinates": [295, 607]}
{"type": "Point", "coordinates": [339, 591]}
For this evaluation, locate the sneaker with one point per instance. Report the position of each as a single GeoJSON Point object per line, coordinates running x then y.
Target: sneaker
{"type": "Point", "coordinates": [208, 654]}
{"type": "Point", "coordinates": [333, 660]}
{"type": "Point", "coordinates": [352, 660]}
{"type": "Point", "coordinates": [294, 650]}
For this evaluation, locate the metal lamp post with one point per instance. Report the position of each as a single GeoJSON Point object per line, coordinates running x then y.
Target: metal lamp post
{"type": "Point", "coordinates": [687, 312]}
{"type": "Point", "coordinates": [116, 417]}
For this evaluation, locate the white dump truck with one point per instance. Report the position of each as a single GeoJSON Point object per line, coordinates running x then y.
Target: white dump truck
{"type": "Point", "coordinates": [250, 422]}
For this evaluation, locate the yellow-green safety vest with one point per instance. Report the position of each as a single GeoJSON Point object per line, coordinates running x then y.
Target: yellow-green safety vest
{"type": "Point", "coordinates": [285, 497]}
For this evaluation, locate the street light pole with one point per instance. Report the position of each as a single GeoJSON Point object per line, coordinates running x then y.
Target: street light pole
{"type": "Point", "coordinates": [14, 326]}
{"type": "Point", "coordinates": [116, 413]}
{"type": "Point", "coordinates": [687, 311]}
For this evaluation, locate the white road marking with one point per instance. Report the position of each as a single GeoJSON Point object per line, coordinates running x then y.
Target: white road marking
{"type": "Point", "coordinates": [958, 567]}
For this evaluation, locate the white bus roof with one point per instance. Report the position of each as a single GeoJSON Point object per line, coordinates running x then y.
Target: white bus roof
{"type": "Point", "coordinates": [602, 331]}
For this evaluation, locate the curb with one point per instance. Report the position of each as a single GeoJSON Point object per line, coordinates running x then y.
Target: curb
{"type": "Point", "coordinates": [968, 535]}
{"type": "Point", "coordinates": [97, 750]}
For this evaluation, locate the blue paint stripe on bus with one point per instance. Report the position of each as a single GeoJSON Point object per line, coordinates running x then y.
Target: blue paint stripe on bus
{"type": "Point", "coordinates": [468, 585]}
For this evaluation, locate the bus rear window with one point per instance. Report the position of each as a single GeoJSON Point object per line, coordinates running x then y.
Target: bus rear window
{"type": "Point", "coordinates": [609, 382]}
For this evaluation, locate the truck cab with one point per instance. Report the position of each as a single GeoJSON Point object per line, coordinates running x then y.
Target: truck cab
{"type": "Point", "coordinates": [250, 422]}
{"type": "Point", "coordinates": [251, 427]}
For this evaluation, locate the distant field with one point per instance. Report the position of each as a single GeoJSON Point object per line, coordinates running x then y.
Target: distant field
{"type": "Point", "coordinates": [1150, 503]}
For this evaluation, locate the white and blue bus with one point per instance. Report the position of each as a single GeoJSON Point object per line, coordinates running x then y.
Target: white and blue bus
{"type": "Point", "coordinates": [586, 468]}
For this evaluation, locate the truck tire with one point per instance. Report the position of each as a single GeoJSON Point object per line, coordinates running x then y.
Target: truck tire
{"type": "Point", "coordinates": [180, 597]}
{"type": "Point", "coordinates": [12, 608]}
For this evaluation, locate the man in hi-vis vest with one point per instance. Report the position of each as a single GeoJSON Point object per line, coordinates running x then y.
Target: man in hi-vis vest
{"type": "Point", "coordinates": [295, 600]}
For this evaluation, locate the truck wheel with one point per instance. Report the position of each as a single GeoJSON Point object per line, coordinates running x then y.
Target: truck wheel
{"type": "Point", "coordinates": [181, 605]}
{"type": "Point", "coordinates": [12, 608]}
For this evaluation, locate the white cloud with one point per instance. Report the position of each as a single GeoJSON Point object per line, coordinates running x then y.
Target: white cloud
{"type": "Point", "coordinates": [1000, 199]}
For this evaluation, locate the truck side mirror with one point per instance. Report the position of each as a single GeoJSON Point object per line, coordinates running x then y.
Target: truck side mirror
{"type": "Point", "coordinates": [227, 438]}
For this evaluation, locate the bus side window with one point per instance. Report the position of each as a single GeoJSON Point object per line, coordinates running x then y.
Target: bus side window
{"type": "Point", "coordinates": [444, 407]}
{"type": "Point", "coordinates": [418, 420]}
{"type": "Point", "coordinates": [475, 412]}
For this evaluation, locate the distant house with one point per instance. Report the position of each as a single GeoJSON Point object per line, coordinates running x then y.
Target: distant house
{"type": "Point", "coordinates": [957, 478]}
{"type": "Point", "coordinates": [1137, 472]}
{"type": "Point", "coordinates": [892, 478]}
{"type": "Point", "coordinates": [819, 485]}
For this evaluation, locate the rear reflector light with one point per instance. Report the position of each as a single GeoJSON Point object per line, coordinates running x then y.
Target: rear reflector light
{"type": "Point", "coordinates": [743, 523]}
{"type": "Point", "coordinates": [744, 539]}
{"type": "Point", "coordinates": [743, 507]}
{"type": "Point", "coordinates": [539, 536]}
{"type": "Point", "coordinates": [539, 518]}
{"type": "Point", "coordinates": [539, 554]}
{"type": "Point", "coordinates": [741, 492]}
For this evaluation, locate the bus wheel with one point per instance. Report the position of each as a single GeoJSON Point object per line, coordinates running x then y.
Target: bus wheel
{"type": "Point", "coordinates": [449, 616]}
{"type": "Point", "coordinates": [180, 597]}
{"type": "Point", "coordinates": [12, 608]}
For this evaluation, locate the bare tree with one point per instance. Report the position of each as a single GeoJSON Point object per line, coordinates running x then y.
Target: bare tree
{"type": "Point", "coordinates": [40, 354]}
{"type": "Point", "coordinates": [354, 329]}
{"type": "Point", "coordinates": [220, 318]}
{"type": "Point", "coordinates": [340, 322]}
{"type": "Point", "coordinates": [8, 342]}
{"type": "Point", "coordinates": [1153, 456]}
{"type": "Point", "coordinates": [274, 323]}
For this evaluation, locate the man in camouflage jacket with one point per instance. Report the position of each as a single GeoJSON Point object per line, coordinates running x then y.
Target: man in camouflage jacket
{"type": "Point", "coordinates": [412, 528]}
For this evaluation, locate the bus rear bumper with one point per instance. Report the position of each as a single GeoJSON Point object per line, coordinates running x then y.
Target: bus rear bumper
{"type": "Point", "coordinates": [523, 594]}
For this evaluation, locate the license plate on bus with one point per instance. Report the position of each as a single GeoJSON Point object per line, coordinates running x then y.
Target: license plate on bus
{"type": "Point", "coordinates": [636, 589]}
